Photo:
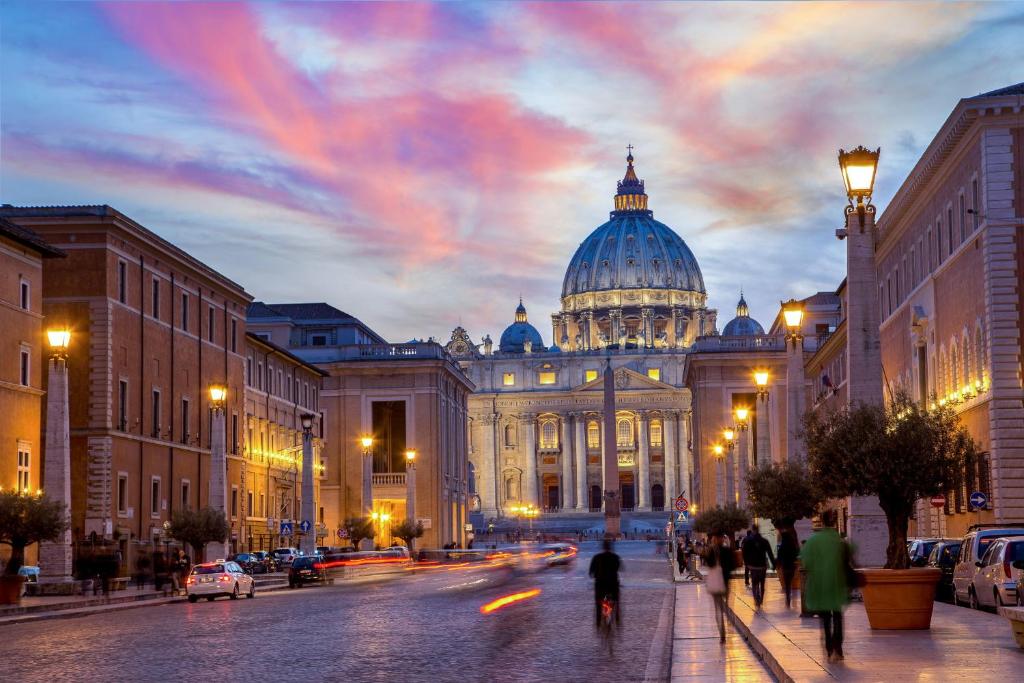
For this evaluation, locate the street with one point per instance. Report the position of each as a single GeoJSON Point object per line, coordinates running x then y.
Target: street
{"type": "Point", "coordinates": [428, 626]}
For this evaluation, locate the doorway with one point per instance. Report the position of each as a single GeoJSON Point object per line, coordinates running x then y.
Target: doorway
{"type": "Point", "coordinates": [627, 491]}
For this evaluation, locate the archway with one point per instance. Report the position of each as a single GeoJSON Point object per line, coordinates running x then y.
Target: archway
{"type": "Point", "coordinates": [657, 497]}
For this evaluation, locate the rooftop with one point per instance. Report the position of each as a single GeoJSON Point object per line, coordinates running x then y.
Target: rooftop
{"type": "Point", "coordinates": [29, 238]}
{"type": "Point", "coordinates": [1017, 89]}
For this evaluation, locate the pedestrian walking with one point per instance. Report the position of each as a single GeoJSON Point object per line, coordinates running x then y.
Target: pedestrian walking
{"type": "Point", "coordinates": [141, 571]}
{"type": "Point", "coordinates": [757, 553]}
{"type": "Point", "coordinates": [789, 552]}
{"type": "Point", "coordinates": [681, 557]}
{"type": "Point", "coordinates": [746, 570]}
{"type": "Point", "coordinates": [826, 559]}
{"type": "Point", "coordinates": [719, 561]}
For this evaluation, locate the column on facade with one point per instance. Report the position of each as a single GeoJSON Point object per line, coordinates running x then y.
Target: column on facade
{"type": "Point", "coordinates": [794, 399]}
{"type": "Point", "coordinates": [529, 424]}
{"type": "Point", "coordinates": [730, 473]}
{"type": "Point", "coordinates": [615, 326]}
{"type": "Point", "coordinates": [744, 456]}
{"type": "Point", "coordinates": [565, 443]}
{"type": "Point", "coordinates": [580, 423]}
{"type": "Point", "coordinates": [672, 489]}
{"type": "Point", "coordinates": [647, 321]}
{"type": "Point", "coordinates": [763, 449]}
{"type": "Point", "coordinates": [644, 466]}
{"type": "Point", "coordinates": [487, 475]}
{"type": "Point", "coordinates": [55, 557]}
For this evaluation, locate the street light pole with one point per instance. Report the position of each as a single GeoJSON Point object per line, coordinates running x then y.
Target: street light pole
{"type": "Point", "coordinates": [793, 315]}
{"type": "Point", "coordinates": [744, 452]}
{"type": "Point", "coordinates": [763, 451]}
{"type": "Point", "coordinates": [308, 543]}
{"type": "Point", "coordinates": [218, 465]}
{"type": "Point", "coordinates": [410, 489]}
{"type": "Point", "coordinates": [719, 452]}
{"type": "Point", "coordinates": [367, 443]}
{"type": "Point", "coordinates": [55, 556]}
{"type": "Point", "coordinates": [729, 436]}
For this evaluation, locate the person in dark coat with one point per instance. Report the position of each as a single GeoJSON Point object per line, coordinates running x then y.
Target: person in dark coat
{"type": "Point", "coordinates": [757, 553]}
{"type": "Point", "coordinates": [789, 552]}
{"type": "Point", "coordinates": [746, 570]}
{"type": "Point", "coordinates": [604, 569]}
{"type": "Point", "coordinates": [681, 557]}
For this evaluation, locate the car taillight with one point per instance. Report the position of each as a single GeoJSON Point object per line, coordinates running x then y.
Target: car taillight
{"type": "Point", "coordinates": [191, 580]}
{"type": "Point", "coordinates": [225, 577]}
{"type": "Point", "coordinates": [317, 566]}
{"type": "Point", "coordinates": [1006, 568]}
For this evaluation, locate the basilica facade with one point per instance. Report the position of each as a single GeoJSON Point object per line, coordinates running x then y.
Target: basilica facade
{"type": "Point", "coordinates": [633, 297]}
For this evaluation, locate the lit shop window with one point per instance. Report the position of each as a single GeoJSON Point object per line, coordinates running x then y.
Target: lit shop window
{"type": "Point", "coordinates": [545, 378]}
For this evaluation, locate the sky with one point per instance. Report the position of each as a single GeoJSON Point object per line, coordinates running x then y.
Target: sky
{"type": "Point", "coordinates": [422, 166]}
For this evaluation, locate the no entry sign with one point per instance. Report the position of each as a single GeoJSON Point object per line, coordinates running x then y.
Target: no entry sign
{"type": "Point", "coordinates": [938, 501]}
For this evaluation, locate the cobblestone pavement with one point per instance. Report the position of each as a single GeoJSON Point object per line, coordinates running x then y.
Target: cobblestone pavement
{"type": "Point", "coordinates": [427, 627]}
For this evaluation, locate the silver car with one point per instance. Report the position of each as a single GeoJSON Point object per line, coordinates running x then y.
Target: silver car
{"type": "Point", "coordinates": [213, 579]}
{"type": "Point", "coordinates": [995, 582]}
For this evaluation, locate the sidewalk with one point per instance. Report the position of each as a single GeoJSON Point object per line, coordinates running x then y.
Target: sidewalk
{"type": "Point", "coordinates": [961, 644]}
{"type": "Point", "coordinates": [696, 653]}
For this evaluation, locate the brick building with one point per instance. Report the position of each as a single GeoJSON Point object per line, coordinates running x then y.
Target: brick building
{"type": "Point", "coordinates": [152, 329]}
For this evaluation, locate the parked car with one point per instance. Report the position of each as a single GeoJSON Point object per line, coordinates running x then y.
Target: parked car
{"type": "Point", "coordinates": [30, 572]}
{"type": "Point", "coordinates": [399, 549]}
{"type": "Point", "coordinates": [943, 557]}
{"type": "Point", "coordinates": [972, 549]}
{"type": "Point", "coordinates": [268, 560]}
{"type": "Point", "coordinates": [249, 563]}
{"type": "Point", "coordinates": [306, 569]}
{"type": "Point", "coordinates": [284, 556]}
{"type": "Point", "coordinates": [919, 549]}
{"type": "Point", "coordinates": [1019, 564]}
{"type": "Point", "coordinates": [995, 582]}
{"type": "Point", "coordinates": [212, 579]}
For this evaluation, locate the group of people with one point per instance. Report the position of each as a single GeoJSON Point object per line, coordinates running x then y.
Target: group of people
{"type": "Point", "coordinates": [825, 558]}
{"type": "Point", "coordinates": [162, 569]}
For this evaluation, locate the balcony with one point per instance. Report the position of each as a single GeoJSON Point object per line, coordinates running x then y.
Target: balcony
{"type": "Point", "coordinates": [389, 486]}
{"type": "Point", "coordinates": [389, 479]}
{"type": "Point", "coordinates": [719, 344]}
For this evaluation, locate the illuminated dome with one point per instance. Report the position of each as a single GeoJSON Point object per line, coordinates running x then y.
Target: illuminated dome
{"type": "Point", "coordinates": [742, 325]}
{"type": "Point", "coordinates": [515, 336]}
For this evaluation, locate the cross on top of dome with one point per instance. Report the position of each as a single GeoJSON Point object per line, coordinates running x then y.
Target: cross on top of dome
{"type": "Point", "coordinates": [630, 195]}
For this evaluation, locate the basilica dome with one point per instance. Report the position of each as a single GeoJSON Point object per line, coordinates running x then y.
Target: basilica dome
{"type": "Point", "coordinates": [632, 250]}
{"type": "Point", "coordinates": [515, 336]}
{"type": "Point", "coordinates": [742, 325]}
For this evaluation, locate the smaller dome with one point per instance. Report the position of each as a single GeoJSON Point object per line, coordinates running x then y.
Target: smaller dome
{"type": "Point", "coordinates": [742, 325]}
{"type": "Point", "coordinates": [515, 336]}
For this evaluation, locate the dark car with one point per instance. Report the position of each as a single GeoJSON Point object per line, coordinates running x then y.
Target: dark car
{"type": "Point", "coordinates": [943, 556]}
{"type": "Point", "coordinates": [919, 549]}
{"type": "Point", "coordinates": [306, 569]}
{"type": "Point", "coordinates": [268, 560]}
{"type": "Point", "coordinates": [249, 563]}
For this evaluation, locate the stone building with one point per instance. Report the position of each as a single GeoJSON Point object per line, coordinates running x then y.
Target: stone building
{"type": "Point", "coordinates": [409, 396]}
{"type": "Point", "coordinates": [25, 350]}
{"type": "Point", "coordinates": [152, 329]}
{"type": "Point", "coordinates": [280, 388]}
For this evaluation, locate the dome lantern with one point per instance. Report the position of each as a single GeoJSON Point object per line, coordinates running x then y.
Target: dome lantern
{"type": "Point", "coordinates": [630, 196]}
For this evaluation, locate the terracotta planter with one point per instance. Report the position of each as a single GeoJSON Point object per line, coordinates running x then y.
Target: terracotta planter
{"type": "Point", "coordinates": [900, 598]}
{"type": "Point", "coordinates": [10, 589]}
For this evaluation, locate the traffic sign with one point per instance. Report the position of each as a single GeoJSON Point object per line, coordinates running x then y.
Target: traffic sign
{"type": "Point", "coordinates": [286, 529]}
{"type": "Point", "coordinates": [681, 504]}
{"type": "Point", "coordinates": [938, 501]}
{"type": "Point", "coordinates": [270, 523]}
{"type": "Point", "coordinates": [305, 525]}
{"type": "Point", "coordinates": [979, 501]}
{"type": "Point", "coordinates": [681, 517]}
{"type": "Point", "coordinates": [342, 533]}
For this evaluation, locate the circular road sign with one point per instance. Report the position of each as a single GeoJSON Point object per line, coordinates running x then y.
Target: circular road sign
{"type": "Point", "coordinates": [682, 504]}
{"type": "Point", "coordinates": [979, 500]}
{"type": "Point", "coordinates": [342, 533]}
{"type": "Point", "coordinates": [938, 501]}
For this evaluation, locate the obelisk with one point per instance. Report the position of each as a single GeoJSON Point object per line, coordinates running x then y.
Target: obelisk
{"type": "Point", "coordinates": [612, 513]}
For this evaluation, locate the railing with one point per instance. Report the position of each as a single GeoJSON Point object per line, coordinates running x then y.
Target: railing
{"type": "Point", "coordinates": [355, 352]}
{"type": "Point", "coordinates": [720, 344]}
{"type": "Point", "coordinates": [389, 479]}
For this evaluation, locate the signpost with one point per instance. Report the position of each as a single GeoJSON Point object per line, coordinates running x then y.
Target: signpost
{"type": "Point", "coordinates": [287, 529]}
{"type": "Point", "coordinates": [938, 501]}
{"type": "Point", "coordinates": [681, 504]}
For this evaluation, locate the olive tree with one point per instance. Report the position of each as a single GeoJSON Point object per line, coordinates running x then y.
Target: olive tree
{"type": "Point", "coordinates": [726, 519]}
{"type": "Point", "coordinates": [782, 492]}
{"type": "Point", "coordinates": [199, 527]}
{"type": "Point", "coordinates": [26, 519]}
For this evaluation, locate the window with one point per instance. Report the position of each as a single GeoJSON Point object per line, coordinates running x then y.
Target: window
{"type": "Point", "coordinates": [249, 509]}
{"type": "Point", "coordinates": [593, 434]}
{"type": "Point", "coordinates": [186, 491]}
{"type": "Point", "coordinates": [210, 328]}
{"type": "Point", "coordinates": [122, 493]}
{"type": "Point", "coordinates": [589, 375]}
{"type": "Point", "coordinates": [259, 376]}
{"type": "Point", "coordinates": [24, 480]}
{"type": "Point", "coordinates": [25, 299]}
{"type": "Point", "coordinates": [234, 436]}
{"type": "Point", "coordinates": [546, 377]}
{"type": "Point", "coordinates": [122, 406]}
{"type": "Point", "coordinates": [913, 270]}
{"type": "Point", "coordinates": [185, 421]}
{"type": "Point", "coordinates": [949, 228]}
{"type": "Point", "coordinates": [154, 497]}
{"type": "Point", "coordinates": [234, 335]}
{"type": "Point", "coordinates": [938, 240]}
{"type": "Point", "coordinates": [508, 379]}
{"type": "Point", "coordinates": [963, 218]}
{"type": "Point", "coordinates": [156, 414]}
{"type": "Point", "coordinates": [263, 505]}
{"type": "Point", "coordinates": [248, 371]}
{"type": "Point", "coordinates": [25, 367]}
{"type": "Point", "coordinates": [184, 311]}
{"type": "Point", "coordinates": [654, 373]}
{"type": "Point", "coordinates": [234, 501]}
{"type": "Point", "coordinates": [122, 282]}
{"type": "Point", "coordinates": [318, 340]}
{"type": "Point", "coordinates": [156, 298]}
{"type": "Point", "coordinates": [931, 251]}
{"type": "Point", "coordinates": [656, 438]}
{"type": "Point", "coordinates": [548, 435]}
{"type": "Point", "coordinates": [624, 433]}
{"type": "Point", "coordinates": [974, 204]}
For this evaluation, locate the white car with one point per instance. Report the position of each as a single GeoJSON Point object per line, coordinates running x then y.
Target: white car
{"type": "Point", "coordinates": [212, 579]}
{"type": "Point", "coordinates": [995, 583]}
{"type": "Point", "coordinates": [974, 546]}
{"type": "Point", "coordinates": [285, 556]}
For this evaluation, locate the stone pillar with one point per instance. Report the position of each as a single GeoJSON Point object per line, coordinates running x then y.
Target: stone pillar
{"type": "Point", "coordinates": [795, 391]}
{"type": "Point", "coordinates": [719, 480]}
{"type": "Point", "coordinates": [763, 450]}
{"type": "Point", "coordinates": [55, 556]}
{"type": "Point", "coordinates": [647, 321]}
{"type": "Point", "coordinates": [615, 326]}
{"type": "Point", "coordinates": [410, 494]}
{"type": "Point", "coordinates": [644, 466]}
{"type": "Point", "coordinates": [565, 443]}
{"type": "Point", "coordinates": [367, 481]}
{"type": "Point", "coordinates": [582, 494]}
{"type": "Point", "coordinates": [308, 543]}
{"type": "Point", "coordinates": [730, 473]}
{"type": "Point", "coordinates": [488, 472]}
{"type": "Point", "coordinates": [529, 424]}
{"type": "Point", "coordinates": [744, 455]}
{"type": "Point", "coordinates": [218, 478]}
{"type": "Point", "coordinates": [868, 529]}
{"type": "Point", "coordinates": [672, 488]}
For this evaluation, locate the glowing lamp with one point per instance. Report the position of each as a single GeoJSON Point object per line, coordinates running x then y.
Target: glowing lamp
{"type": "Point", "coordinates": [59, 340]}
{"type": "Point", "coordinates": [761, 378]}
{"type": "Point", "coordinates": [728, 434]}
{"type": "Point", "coordinates": [793, 313]}
{"type": "Point", "coordinates": [742, 414]}
{"type": "Point", "coordinates": [717, 449]}
{"type": "Point", "coordinates": [859, 166]}
{"type": "Point", "coordinates": [307, 421]}
{"type": "Point", "coordinates": [410, 455]}
{"type": "Point", "coordinates": [218, 393]}
{"type": "Point", "coordinates": [367, 441]}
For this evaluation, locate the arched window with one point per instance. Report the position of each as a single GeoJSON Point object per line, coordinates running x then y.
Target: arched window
{"type": "Point", "coordinates": [548, 435]}
{"type": "Point", "coordinates": [624, 431]}
{"type": "Point", "coordinates": [656, 433]}
{"type": "Point", "coordinates": [593, 435]}
{"type": "Point", "coordinates": [968, 368]}
{"type": "Point", "coordinates": [510, 435]}
{"type": "Point", "coordinates": [979, 353]}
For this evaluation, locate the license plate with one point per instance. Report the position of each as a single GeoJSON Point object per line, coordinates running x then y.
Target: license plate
{"type": "Point", "coordinates": [206, 579]}
{"type": "Point", "coordinates": [305, 571]}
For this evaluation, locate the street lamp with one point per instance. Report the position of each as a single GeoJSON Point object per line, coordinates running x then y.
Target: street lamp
{"type": "Point", "coordinates": [761, 382]}
{"type": "Point", "coordinates": [367, 443]}
{"type": "Point", "coordinates": [859, 167]}
{"type": "Point", "coordinates": [719, 452]}
{"type": "Point", "coordinates": [55, 556]}
{"type": "Point", "coordinates": [308, 543]}
{"type": "Point", "coordinates": [793, 314]}
{"type": "Point", "coordinates": [410, 489]}
{"type": "Point", "coordinates": [729, 435]}
{"type": "Point", "coordinates": [218, 462]}
{"type": "Point", "coordinates": [742, 414]}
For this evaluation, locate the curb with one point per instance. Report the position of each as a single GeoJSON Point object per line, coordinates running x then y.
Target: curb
{"type": "Point", "coordinates": [757, 646]}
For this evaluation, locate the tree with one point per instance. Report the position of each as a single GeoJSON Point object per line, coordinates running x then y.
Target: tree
{"type": "Point", "coordinates": [726, 519]}
{"type": "Point", "coordinates": [408, 530]}
{"type": "Point", "coordinates": [782, 492]}
{"type": "Point", "coordinates": [26, 519]}
{"type": "Point", "coordinates": [358, 528]}
{"type": "Point", "coordinates": [899, 452]}
{"type": "Point", "coordinates": [199, 527]}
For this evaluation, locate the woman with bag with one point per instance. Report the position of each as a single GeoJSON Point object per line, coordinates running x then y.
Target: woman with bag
{"type": "Point", "coordinates": [719, 562]}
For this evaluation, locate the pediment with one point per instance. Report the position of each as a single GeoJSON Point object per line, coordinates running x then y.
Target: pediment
{"type": "Point", "coordinates": [625, 380]}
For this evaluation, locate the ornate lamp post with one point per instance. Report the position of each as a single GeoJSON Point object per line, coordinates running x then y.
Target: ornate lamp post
{"type": "Point", "coordinates": [719, 452]}
{"type": "Point", "coordinates": [742, 426]}
{"type": "Point", "coordinates": [863, 348]}
{"type": "Point", "coordinates": [367, 444]}
{"type": "Point", "coordinates": [410, 488]}
{"type": "Point", "coordinates": [308, 543]}
{"type": "Point", "coordinates": [729, 436]}
{"type": "Point", "coordinates": [55, 556]}
{"type": "Point", "coordinates": [764, 442]}
{"type": "Point", "coordinates": [218, 463]}
{"type": "Point", "coordinates": [793, 314]}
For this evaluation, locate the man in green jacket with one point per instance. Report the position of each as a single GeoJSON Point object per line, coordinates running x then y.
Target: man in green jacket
{"type": "Point", "coordinates": [825, 557]}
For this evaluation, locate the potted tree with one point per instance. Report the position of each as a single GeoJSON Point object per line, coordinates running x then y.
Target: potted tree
{"type": "Point", "coordinates": [25, 519]}
{"type": "Point", "coordinates": [359, 529]}
{"type": "Point", "coordinates": [198, 527]}
{"type": "Point", "coordinates": [728, 519]}
{"type": "Point", "coordinates": [783, 493]}
{"type": "Point", "coordinates": [900, 453]}
{"type": "Point", "coordinates": [407, 530]}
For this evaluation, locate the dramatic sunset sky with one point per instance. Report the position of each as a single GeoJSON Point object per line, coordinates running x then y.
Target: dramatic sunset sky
{"type": "Point", "coordinates": [419, 165]}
